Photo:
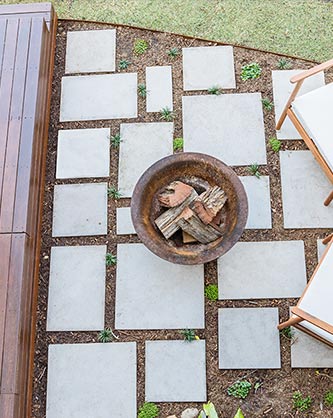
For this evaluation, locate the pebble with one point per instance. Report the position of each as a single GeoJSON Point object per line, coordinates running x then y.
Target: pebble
{"type": "Point", "coordinates": [190, 413]}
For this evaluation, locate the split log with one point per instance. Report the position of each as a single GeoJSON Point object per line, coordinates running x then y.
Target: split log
{"type": "Point", "coordinates": [188, 239]}
{"type": "Point", "coordinates": [175, 194]}
{"type": "Point", "coordinates": [209, 204]}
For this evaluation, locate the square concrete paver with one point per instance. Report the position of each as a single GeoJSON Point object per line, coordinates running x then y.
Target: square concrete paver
{"type": "Point", "coordinates": [95, 97]}
{"type": "Point", "coordinates": [259, 201]}
{"type": "Point", "coordinates": [308, 352]}
{"type": "Point", "coordinates": [142, 145]}
{"type": "Point", "coordinates": [80, 210]}
{"type": "Point", "coordinates": [248, 338]}
{"type": "Point", "coordinates": [91, 51]}
{"type": "Point", "coordinates": [159, 88]}
{"type": "Point", "coordinates": [205, 67]}
{"type": "Point", "coordinates": [304, 189]}
{"type": "Point", "coordinates": [83, 153]}
{"type": "Point", "coordinates": [77, 288]}
{"type": "Point", "coordinates": [229, 127]}
{"type": "Point", "coordinates": [260, 270]}
{"type": "Point", "coordinates": [175, 371]}
{"type": "Point", "coordinates": [282, 89]}
{"type": "Point", "coordinates": [91, 380]}
{"type": "Point", "coordinates": [152, 293]}
{"type": "Point", "coordinates": [124, 222]}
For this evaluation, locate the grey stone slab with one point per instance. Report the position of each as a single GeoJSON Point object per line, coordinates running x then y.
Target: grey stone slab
{"type": "Point", "coordinates": [205, 67]}
{"type": "Point", "coordinates": [259, 201]}
{"type": "Point", "coordinates": [159, 88]}
{"type": "Point", "coordinates": [307, 352]}
{"type": "Point", "coordinates": [91, 380]}
{"type": "Point", "coordinates": [76, 288]}
{"type": "Point", "coordinates": [83, 153]}
{"type": "Point", "coordinates": [282, 88]}
{"type": "Point", "coordinates": [152, 293]}
{"type": "Point", "coordinates": [95, 97]}
{"type": "Point", "coordinates": [80, 210]}
{"type": "Point", "coordinates": [261, 270]}
{"type": "Point", "coordinates": [142, 145]}
{"type": "Point", "coordinates": [248, 338]}
{"type": "Point", "coordinates": [175, 371]}
{"type": "Point", "coordinates": [320, 248]}
{"type": "Point", "coordinates": [304, 189]}
{"type": "Point", "coordinates": [229, 127]}
{"type": "Point", "coordinates": [124, 222]}
{"type": "Point", "coordinates": [91, 51]}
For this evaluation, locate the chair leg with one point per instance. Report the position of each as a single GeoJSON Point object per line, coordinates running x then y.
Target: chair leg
{"type": "Point", "coordinates": [327, 239]}
{"type": "Point", "coordinates": [329, 199]}
{"type": "Point", "coordinates": [291, 321]}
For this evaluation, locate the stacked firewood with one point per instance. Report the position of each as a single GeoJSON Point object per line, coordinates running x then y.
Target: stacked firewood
{"type": "Point", "coordinates": [199, 216]}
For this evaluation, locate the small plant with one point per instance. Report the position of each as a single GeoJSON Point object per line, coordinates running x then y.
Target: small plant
{"type": "Point", "coordinates": [275, 144]}
{"type": "Point", "coordinates": [250, 71]}
{"type": "Point", "coordinates": [115, 140]}
{"type": "Point", "coordinates": [301, 403]}
{"type": "Point", "coordinates": [173, 52]}
{"type": "Point", "coordinates": [188, 334]}
{"type": "Point", "coordinates": [166, 114]}
{"type": "Point", "coordinates": [140, 46]}
{"type": "Point", "coordinates": [209, 411]}
{"type": "Point", "coordinates": [268, 105]}
{"type": "Point", "coordinates": [106, 335]}
{"type": "Point", "coordinates": [114, 193]}
{"type": "Point", "coordinates": [254, 170]}
{"type": "Point", "coordinates": [283, 64]}
{"type": "Point", "coordinates": [239, 414]}
{"type": "Point", "coordinates": [240, 389]}
{"type": "Point", "coordinates": [214, 90]}
{"type": "Point", "coordinates": [142, 90]}
{"type": "Point", "coordinates": [124, 64]}
{"type": "Point", "coordinates": [148, 410]}
{"type": "Point", "coordinates": [212, 292]}
{"type": "Point", "coordinates": [328, 398]}
{"type": "Point", "coordinates": [110, 259]}
{"type": "Point", "coordinates": [178, 144]}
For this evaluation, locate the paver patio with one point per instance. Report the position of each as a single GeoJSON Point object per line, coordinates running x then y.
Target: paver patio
{"type": "Point", "coordinates": [159, 88]}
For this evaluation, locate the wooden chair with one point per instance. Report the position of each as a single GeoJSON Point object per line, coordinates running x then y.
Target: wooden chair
{"type": "Point", "coordinates": [313, 313]}
{"type": "Point", "coordinates": [312, 116]}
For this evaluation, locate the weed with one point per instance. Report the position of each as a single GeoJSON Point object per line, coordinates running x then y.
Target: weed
{"type": "Point", "coordinates": [275, 144]}
{"type": "Point", "coordinates": [328, 398]}
{"type": "Point", "coordinates": [214, 90]}
{"type": "Point", "coordinates": [106, 335]}
{"type": "Point", "coordinates": [268, 105]}
{"type": "Point", "coordinates": [110, 259]}
{"type": "Point", "coordinates": [142, 90]}
{"type": "Point", "coordinates": [178, 144]}
{"type": "Point", "coordinates": [114, 193]}
{"type": "Point", "coordinates": [140, 46]}
{"type": "Point", "coordinates": [254, 170]}
{"type": "Point", "coordinates": [148, 410]}
{"type": "Point", "coordinates": [166, 114]}
{"type": "Point", "coordinates": [301, 403]}
{"type": "Point", "coordinates": [188, 334]}
{"type": "Point", "coordinates": [115, 140]}
{"type": "Point", "coordinates": [250, 71]}
{"type": "Point", "coordinates": [212, 292]}
{"type": "Point", "coordinates": [240, 389]}
{"type": "Point", "coordinates": [173, 52]}
{"type": "Point", "coordinates": [283, 64]}
{"type": "Point", "coordinates": [124, 64]}
{"type": "Point", "coordinates": [239, 414]}
{"type": "Point", "coordinates": [209, 410]}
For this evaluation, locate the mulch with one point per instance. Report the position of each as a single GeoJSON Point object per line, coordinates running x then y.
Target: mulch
{"type": "Point", "coordinates": [274, 397]}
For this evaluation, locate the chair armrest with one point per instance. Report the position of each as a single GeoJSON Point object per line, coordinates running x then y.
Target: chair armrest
{"type": "Point", "coordinates": [314, 70]}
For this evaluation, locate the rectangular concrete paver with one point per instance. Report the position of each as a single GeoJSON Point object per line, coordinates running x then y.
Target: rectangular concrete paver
{"type": "Point", "coordinates": [152, 293]}
{"type": "Point", "coordinates": [229, 127]}
{"type": "Point", "coordinates": [124, 222]}
{"type": "Point", "coordinates": [91, 380]}
{"type": "Point", "coordinates": [248, 338]}
{"type": "Point", "coordinates": [260, 270]}
{"type": "Point", "coordinates": [94, 97]}
{"type": "Point", "coordinates": [282, 89]}
{"type": "Point", "coordinates": [175, 371]}
{"type": "Point", "coordinates": [159, 88]}
{"type": "Point", "coordinates": [205, 67]}
{"type": "Point", "coordinates": [320, 248]}
{"type": "Point", "coordinates": [142, 145]}
{"type": "Point", "coordinates": [83, 153]}
{"type": "Point", "coordinates": [304, 189]}
{"type": "Point", "coordinates": [76, 288]}
{"type": "Point", "coordinates": [80, 210]}
{"type": "Point", "coordinates": [91, 51]}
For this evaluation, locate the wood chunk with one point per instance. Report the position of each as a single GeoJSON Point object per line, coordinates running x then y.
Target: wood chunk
{"type": "Point", "coordinates": [197, 229]}
{"type": "Point", "coordinates": [209, 203]}
{"type": "Point", "coordinates": [175, 194]}
{"type": "Point", "coordinates": [187, 238]}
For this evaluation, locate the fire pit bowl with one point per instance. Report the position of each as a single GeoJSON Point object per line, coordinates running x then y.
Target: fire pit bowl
{"type": "Point", "coordinates": [199, 171]}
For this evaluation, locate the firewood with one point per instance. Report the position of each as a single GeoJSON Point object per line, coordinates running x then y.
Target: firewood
{"type": "Point", "coordinates": [175, 194]}
{"type": "Point", "coordinates": [209, 204]}
{"type": "Point", "coordinates": [188, 239]}
{"type": "Point", "coordinates": [192, 224]}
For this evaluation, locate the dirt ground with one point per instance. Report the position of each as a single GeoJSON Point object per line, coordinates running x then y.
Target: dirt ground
{"type": "Point", "coordinates": [274, 397]}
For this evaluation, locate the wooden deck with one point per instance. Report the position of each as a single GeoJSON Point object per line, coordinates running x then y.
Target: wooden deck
{"type": "Point", "coordinates": [27, 41]}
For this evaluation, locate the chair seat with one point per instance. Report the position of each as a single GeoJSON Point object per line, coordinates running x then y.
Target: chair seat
{"type": "Point", "coordinates": [315, 112]}
{"type": "Point", "coordinates": [316, 330]}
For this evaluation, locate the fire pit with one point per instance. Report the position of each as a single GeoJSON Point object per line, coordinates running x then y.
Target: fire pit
{"type": "Point", "coordinates": [201, 172]}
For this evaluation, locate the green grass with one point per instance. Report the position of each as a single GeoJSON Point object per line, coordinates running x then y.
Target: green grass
{"type": "Point", "coordinates": [298, 27]}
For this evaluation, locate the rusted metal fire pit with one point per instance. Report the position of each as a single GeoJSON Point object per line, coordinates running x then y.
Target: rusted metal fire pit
{"type": "Point", "coordinates": [199, 171]}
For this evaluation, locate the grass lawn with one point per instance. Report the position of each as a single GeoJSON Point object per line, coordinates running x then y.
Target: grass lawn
{"type": "Point", "coordinates": [298, 27]}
